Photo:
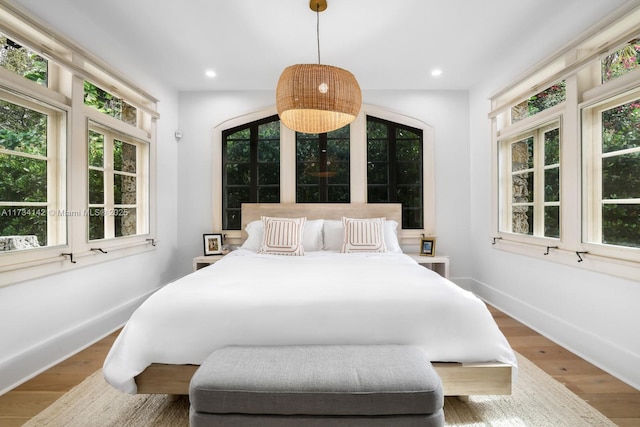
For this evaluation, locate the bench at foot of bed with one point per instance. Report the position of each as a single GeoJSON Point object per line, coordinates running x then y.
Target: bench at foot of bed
{"type": "Point", "coordinates": [332, 385]}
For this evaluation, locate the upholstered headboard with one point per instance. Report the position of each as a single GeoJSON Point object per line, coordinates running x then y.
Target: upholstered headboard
{"type": "Point", "coordinates": [253, 211]}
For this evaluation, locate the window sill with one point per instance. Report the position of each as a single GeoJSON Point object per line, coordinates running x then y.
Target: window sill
{"type": "Point", "coordinates": [580, 258]}
{"type": "Point", "coordinates": [57, 260]}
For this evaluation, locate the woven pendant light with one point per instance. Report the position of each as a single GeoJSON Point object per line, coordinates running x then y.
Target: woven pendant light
{"type": "Point", "coordinates": [316, 98]}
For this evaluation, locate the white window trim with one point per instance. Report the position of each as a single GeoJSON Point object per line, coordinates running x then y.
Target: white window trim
{"type": "Point", "coordinates": [358, 166]}
{"type": "Point", "coordinates": [505, 181]}
{"type": "Point", "coordinates": [69, 66]}
{"type": "Point", "coordinates": [592, 173]}
{"type": "Point", "coordinates": [581, 71]}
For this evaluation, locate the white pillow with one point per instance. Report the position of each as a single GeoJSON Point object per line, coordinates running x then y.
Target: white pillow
{"type": "Point", "coordinates": [333, 236]}
{"type": "Point", "coordinates": [311, 235]}
{"type": "Point", "coordinates": [391, 236]}
{"type": "Point", "coordinates": [282, 236]}
{"type": "Point", "coordinates": [363, 235]}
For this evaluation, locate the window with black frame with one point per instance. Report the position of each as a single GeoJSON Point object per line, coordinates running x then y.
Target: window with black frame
{"type": "Point", "coordinates": [250, 167]}
{"type": "Point", "coordinates": [322, 163]}
{"type": "Point", "coordinates": [395, 169]}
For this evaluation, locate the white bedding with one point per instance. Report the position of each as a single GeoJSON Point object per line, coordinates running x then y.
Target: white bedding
{"type": "Point", "coordinates": [320, 298]}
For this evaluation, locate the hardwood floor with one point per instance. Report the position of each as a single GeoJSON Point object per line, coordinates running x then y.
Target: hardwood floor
{"type": "Point", "coordinates": [615, 399]}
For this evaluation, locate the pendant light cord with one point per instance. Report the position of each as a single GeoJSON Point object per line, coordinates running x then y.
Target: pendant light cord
{"type": "Point", "coordinates": [318, 29]}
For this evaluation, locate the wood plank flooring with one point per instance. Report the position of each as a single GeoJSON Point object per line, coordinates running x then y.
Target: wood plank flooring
{"type": "Point", "coordinates": [615, 399]}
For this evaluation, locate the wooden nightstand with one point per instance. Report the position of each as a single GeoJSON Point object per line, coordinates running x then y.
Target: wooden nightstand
{"type": "Point", "coordinates": [439, 264]}
{"type": "Point", "coordinates": [203, 261]}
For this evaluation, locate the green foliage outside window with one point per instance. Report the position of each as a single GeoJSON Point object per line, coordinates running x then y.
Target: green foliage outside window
{"type": "Point", "coordinates": [250, 168]}
{"type": "Point", "coordinates": [621, 61]}
{"type": "Point", "coordinates": [323, 171]}
{"type": "Point", "coordinates": [22, 61]}
{"type": "Point", "coordinates": [621, 175]}
{"type": "Point", "coordinates": [548, 98]}
{"type": "Point", "coordinates": [108, 104]}
{"type": "Point", "coordinates": [23, 172]}
{"type": "Point", "coordinates": [395, 169]}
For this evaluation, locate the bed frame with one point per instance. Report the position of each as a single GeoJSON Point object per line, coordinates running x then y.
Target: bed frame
{"type": "Point", "coordinates": [458, 379]}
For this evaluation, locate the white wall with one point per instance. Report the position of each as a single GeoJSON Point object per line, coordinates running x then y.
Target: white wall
{"type": "Point", "coordinates": [45, 320]}
{"type": "Point", "coordinates": [591, 314]}
{"type": "Point", "coordinates": [200, 112]}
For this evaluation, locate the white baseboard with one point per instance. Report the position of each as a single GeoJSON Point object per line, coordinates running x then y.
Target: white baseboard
{"type": "Point", "coordinates": [608, 356]}
{"type": "Point", "coordinates": [37, 359]}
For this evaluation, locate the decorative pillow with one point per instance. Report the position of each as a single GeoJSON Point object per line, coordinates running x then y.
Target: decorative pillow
{"type": "Point", "coordinates": [282, 236]}
{"type": "Point", "coordinates": [363, 235]}
{"type": "Point", "coordinates": [333, 236]}
{"type": "Point", "coordinates": [311, 235]}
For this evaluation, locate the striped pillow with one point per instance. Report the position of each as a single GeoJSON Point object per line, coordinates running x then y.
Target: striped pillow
{"type": "Point", "coordinates": [363, 235]}
{"type": "Point", "coordinates": [282, 236]}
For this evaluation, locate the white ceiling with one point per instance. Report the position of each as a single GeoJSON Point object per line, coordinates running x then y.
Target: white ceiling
{"type": "Point", "coordinates": [386, 44]}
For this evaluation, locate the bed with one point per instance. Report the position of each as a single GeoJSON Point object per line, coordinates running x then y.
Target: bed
{"type": "Point", "coordinates": [323, 297]}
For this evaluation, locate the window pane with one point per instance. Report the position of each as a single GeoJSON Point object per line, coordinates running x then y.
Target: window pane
{"type": "Point", "coordinates": [96, 149]}
{"type": "Point", "coordinates": [251, 165]}
{"type": "Point", "coordinates": [548, 98]}
{"type": "Point", "coordinates": [22, 179]}
{"type": "Point", "coordinates": [238, 173]}
{"type": "Point", "coordinates": [109, 104]}
{"type": "Point", "coordinates": [552, 185]}
{"type": "Point", "coordinates": [621, 61]}
{"type": "Point", "coordinates": [269, 151]}
{"type": "Point", "coordinates": [338, 193]}
{"type": "Point", "coordinates": [268, 173]}
{"type": "Point", "coordinates": [522, 219]}
{"type": "Point", "coordinates": [124, 156]}
{"type": "Point", "coordinates": [322, 162]}
{"type": "Point", "coordinates": [522, 187]}
{"type": "Point", "coordinates": [22, 227]}
{"type": "Point", "coordinates": [125, 222]}
{"type": "Point", "coordinates": [621, 127]}
{"type": "Point", "coordinates": [621, 177]}
{"type": "Point", "coordinates": [377, 150]}
{"type": "Point", "coordinates": [22, 61]}
{"type": "Point", "coordinates": [621, 225]}
{"type": "Point", "coordinates": [96, 223]}
{"type": "Point", "coordinates": [552, 147]}
{"type": "Point", "coordinates": [394, 168]}
{"type": "Point", "coordinates": [124, 189]}
{"type": "Point", "coordinates": [22, 129]}
{"type": "Point", "coordinates": [377, 193]}
{"type": "Point", "coordinates": [238, 150]}
{"type": "Point", "coordinates": [552, 221]}
{"type": "Point", "coordinates": [268, 194]}
{"type": "Point", "coordinates": [96, 187]}
{"type": "Point", "coordinates": [236, 196]}
{"type": "Point", "coordinates": [408, 150]}
{"type": "Point", "coordinates": [522, 155]}
{"type": "Point", "coordinates": [377, 173]}
{"type": "Point", "coordinates": [269, 130]}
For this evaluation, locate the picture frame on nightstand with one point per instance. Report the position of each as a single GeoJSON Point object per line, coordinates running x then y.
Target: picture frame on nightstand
{"type": "Point", "coordinates": [212, 244]}
{"type": "Point", "coordinates": [428, 246]}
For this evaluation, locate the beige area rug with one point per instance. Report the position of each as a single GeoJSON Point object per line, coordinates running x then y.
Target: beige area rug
{"type": "Point", "coordinates": [538, 400]}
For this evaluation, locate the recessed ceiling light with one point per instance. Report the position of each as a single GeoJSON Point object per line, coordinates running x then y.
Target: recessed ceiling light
{"type": "Point", "coordinates": [210, 73]}
{"type": "Point", "coordinates": [437, 72]}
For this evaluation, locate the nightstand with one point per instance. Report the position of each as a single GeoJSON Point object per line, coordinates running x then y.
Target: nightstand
{"type": "Point", "coordinates": [203, 261]}
{"type": "Point", "coordinates": [439, 264]}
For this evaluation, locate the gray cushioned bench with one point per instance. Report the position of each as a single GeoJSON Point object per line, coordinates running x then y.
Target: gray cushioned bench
{"type": "Point", "coordinates": [372, 385]}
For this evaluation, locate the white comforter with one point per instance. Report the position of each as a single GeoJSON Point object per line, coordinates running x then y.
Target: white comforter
{"type": "Point", "coordinates": [320, 298]}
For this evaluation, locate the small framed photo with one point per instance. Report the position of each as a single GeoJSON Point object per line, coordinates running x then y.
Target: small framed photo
{"type": "Point", "coordinates": [428, 246]}
{"type": "Point", "coordinates": [212, 244]}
